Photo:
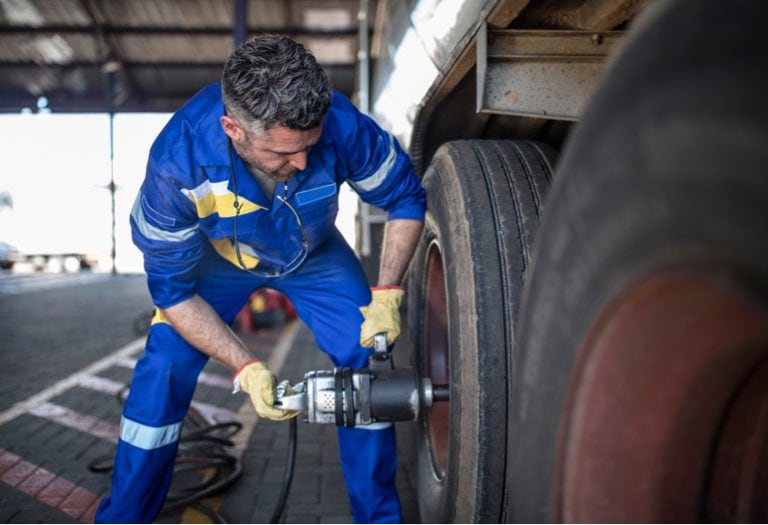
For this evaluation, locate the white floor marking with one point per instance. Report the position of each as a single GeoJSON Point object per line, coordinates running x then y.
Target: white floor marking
{"type": "Point", "coordinates": [71, 418]}
{"type": "Point", "coordinates": [65, 384]}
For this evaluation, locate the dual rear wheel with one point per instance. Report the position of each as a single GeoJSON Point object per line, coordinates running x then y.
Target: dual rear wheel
{"type": "Point", "coordinates": [615, 369]}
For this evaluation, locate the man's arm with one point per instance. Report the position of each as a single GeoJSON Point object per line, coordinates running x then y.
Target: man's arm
{"type": "Point", "coordinates": [400, 239]}
{"type": "Point", "coordinates": [382, 316]}
{"type": "Point", "coordinates": [201, 326]}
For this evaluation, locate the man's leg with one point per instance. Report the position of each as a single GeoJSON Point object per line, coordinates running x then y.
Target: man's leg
{"type": "Point", "coordinates": [163, 383]}
{"type": "Point", "coordinates": [328, 291]}
{"type": "Point", "coordinates": [369, 462]}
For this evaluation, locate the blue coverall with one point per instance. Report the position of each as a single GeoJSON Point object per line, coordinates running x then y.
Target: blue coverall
{"type": "Point", "coordinates": [184, 220]}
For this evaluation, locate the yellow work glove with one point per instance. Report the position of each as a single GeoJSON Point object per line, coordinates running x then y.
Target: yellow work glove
{"type": "Point", "coordinates": [256, 379]}
{"type": "Point", "coordinates": [382, 315]}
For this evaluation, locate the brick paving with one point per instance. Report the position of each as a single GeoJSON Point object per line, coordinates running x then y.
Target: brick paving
{"type": "Point", "coordinates": [47, 488]}
{"type": "Point", "coordinates": [45, 451]}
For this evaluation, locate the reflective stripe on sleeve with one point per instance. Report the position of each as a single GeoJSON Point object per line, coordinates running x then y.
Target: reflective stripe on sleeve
{"type": "Point", "coordinates": [146, 437]}
{"type": "Point", "coordinates": [376, 178]}
{"type": "Point", "coordinates": [154, 233]}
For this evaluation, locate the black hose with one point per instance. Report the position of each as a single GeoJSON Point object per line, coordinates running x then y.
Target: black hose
{"type": "Point", "coordinates": [176, 501]}
{"type": "Point", "coordinates": [203, 448]}
{"type": "Point", "coordinates": [287, 475]}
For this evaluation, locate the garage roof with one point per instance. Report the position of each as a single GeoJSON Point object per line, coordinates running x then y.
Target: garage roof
{"type": "Point", "coordinates": [151, 55]}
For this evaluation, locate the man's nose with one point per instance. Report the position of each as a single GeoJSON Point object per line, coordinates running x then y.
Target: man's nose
{"type": "Point", "coordinates": [298, 160]}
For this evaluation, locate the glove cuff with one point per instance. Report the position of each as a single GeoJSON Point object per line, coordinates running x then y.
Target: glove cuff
{"type": "Point", "coordinates": [391, 287]}
{"type": "Point", "coordinates": [236, 378]}
{"type": "Point", "coordinates": [246, 365]}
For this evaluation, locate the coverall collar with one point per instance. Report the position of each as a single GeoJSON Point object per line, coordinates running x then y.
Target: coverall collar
{"type": "Point", "coordinates": [213, 152]}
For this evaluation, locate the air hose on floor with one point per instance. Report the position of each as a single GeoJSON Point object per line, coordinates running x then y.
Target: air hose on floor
{"type": "Point", "coordinates": [203, 448]}
{"type": "Point", "coordinates": [288, 474]}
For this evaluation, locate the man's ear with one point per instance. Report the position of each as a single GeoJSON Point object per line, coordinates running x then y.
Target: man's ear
{"type": "Point", "coordinates": [232, 128]}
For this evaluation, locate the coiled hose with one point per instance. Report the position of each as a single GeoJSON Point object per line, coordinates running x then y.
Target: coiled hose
{"type": "Point", "coordinates": [202, 448]}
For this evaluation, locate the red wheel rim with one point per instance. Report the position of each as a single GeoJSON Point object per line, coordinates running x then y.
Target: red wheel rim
{"type": "Point", "coordinates": [650, 416]}
{"type": "Point", "coordinates": [435, 357]}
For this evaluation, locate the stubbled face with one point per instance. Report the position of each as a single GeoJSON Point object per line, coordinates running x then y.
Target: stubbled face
{"type": "Point", "coordinates": [279, 152]}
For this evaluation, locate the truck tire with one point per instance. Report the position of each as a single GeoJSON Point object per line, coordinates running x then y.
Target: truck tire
{"type": "Point", "coordinates": [484, 202]}
{"type": "Point", "coordinates": [640, 386]}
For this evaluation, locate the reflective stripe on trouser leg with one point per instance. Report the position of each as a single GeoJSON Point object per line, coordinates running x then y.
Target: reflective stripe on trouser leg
{"type": "Point", "coordinates": [163, 383]}
{"type": "Point", "coordinates": [327, 292]}
{"type": "Point", "coordinates": [139, 484]}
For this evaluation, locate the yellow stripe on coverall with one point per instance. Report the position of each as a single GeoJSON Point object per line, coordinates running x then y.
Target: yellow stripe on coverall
{"type": "Point", "coordinates": [215, 197]}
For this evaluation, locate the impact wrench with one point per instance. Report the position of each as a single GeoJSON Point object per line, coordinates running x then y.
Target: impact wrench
{"type": "Point", "coordinates": [354, 397]}
{"type": "Point", "coordinates": [362, 396]}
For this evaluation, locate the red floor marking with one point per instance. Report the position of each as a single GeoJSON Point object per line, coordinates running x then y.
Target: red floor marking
{"type": "Point", "coordinates": [48, 488]}
{"type": "Point", "coordinates": [18, 473]}
{"type": "Point", "coordinates": [55, 492]}
{"type": "Point", "coordinates": [78, 502]}
{"type": "Point", "coordinates": [38, 480]}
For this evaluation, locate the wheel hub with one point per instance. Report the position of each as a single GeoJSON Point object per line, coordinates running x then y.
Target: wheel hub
{"type": "Point", "coordinates": [652, 382]}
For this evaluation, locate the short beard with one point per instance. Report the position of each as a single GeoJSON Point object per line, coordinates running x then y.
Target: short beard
{"type": "Point", "coordinates": [281, 175]}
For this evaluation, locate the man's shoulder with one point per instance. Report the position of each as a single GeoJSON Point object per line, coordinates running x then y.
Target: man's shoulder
{"type": "Point", "coordinates": [203, 105]}
{"type": "Point", "coordinates": [340, 102]}
{"type": "Point", "coordinates": [342, 111]}
{"type": "Point", "coordinates": [193, 128]}
{"type": "Point", "coordinates": [344, 121]}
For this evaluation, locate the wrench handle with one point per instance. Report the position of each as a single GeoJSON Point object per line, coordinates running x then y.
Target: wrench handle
{"type": "Point", "coordinates": [380, 360]}
{"type": "Point", "coordinates": [380, 344]}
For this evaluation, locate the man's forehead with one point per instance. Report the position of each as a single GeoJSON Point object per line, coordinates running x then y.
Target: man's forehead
{"type": "Point", "coordinates": [280, 138]}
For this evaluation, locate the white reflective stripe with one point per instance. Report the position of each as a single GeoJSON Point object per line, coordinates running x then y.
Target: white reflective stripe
{"type": "Point", "coordinates": [154, 233]}
{"type": "Point", "coordinates": [374, 180]}
{"type": "Point", "coordinates": [248, 250]}
{"type": "Point", "coordinates": [375, 426]}
{"type": "Point", "coordinates": [146, 437]}
{"type": "Point", "coordinates": [206, 187]}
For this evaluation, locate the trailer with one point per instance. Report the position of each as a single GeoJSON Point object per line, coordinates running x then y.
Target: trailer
{"type": "Point", "coordinates": [592, 281]}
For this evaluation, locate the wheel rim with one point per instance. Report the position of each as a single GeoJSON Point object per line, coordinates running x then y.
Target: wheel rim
{"type": "Point", "coordinates": [435, 358]}
{"type": "Point", "coordinates": [651, 430]}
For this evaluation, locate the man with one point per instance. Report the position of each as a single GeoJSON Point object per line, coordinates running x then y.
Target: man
{"type": "Point", "coordinates": [241, 193]}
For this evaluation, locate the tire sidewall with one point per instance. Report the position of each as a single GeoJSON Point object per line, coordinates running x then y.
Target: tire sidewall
{"type": "Point", "coordinates": [435, 493]}
{"type": "Point", "coordinates": [674, 179]}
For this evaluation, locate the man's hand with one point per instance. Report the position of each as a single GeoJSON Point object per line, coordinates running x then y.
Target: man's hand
{"type": "Point", "coordinates": [382, 315]}
{"type": "Point", "coordinates": [256, 379]}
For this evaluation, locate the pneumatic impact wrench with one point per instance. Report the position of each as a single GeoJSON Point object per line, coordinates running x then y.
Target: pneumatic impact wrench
{"type": "Point", "coordinates": [353, 397]}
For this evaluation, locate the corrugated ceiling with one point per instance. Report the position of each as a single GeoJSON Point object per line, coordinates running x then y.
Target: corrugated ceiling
{"type": "Point", "coordinates": [151, 55]}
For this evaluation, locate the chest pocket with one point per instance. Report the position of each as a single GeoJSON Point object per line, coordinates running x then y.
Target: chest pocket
{"type": "Point", "coordinates": [317, 205]}
{"type": "Point", "coordinates": [306, 197]}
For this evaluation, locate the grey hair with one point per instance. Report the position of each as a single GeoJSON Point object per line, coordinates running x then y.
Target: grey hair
{"type": "Point", "coordinates": [272, 80]}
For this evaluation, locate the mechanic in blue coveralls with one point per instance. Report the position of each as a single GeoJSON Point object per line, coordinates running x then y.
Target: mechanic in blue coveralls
{"type": "Point", "coordinates": [241, 192]}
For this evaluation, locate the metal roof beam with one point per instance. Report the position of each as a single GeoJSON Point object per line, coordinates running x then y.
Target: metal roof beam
{"type": "Point", "coordinates": [174, 30]}
{"type": "Point", "coordinates": [136, 64]}
{"type": "Point", "coordinates": [115, 91]}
